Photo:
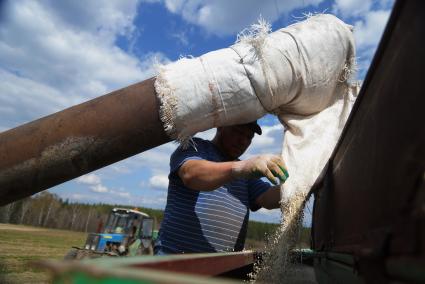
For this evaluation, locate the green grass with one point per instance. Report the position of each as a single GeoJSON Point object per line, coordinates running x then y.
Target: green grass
{"type": "Point", "coordinates": [20, 245]}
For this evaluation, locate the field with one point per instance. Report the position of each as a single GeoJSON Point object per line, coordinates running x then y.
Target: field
{"type": "Point", "coordinates": [22, 244]}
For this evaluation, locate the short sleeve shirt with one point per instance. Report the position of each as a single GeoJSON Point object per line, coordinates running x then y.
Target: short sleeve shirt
{"type": "Point", "coordinates": [206, 221]}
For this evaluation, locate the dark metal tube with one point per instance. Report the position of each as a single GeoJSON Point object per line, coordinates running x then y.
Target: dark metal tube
{"type": "Point", "coordinates": [78, 140]}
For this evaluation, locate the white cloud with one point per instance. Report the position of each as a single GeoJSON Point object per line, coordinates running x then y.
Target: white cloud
{"type": "Point", "coordinates": [386, 4]}
{"type": "Point", "coordinates": [120, 168]}
{"type": "Point", "coordinates": [23, 99]}
{"type": "Point", "coordinates": [369, 18]}
{"type": "Point", "coordinates": [99, 188]}
{"type": "Point", "coordinates": [208, 134]}
{"type": "Point", "coordinates": [95, 185]}
{"type": "Point", "coordinates": [350, 8]}
{"type": "Point", "coordinates": [78, 196]}
{"type": "Point", "coordinates": [90, 179]}
{"type": "Point", "coordinates": [54, 54]}
{"type": "Point", "coordinates": [152, 201]}
{"type": "Point", "coordinates": [369, 31]}
{"type": "Point", "coordinates": [223, 17]}
{"type": "Point", "coordinates": [270, 142]}
{"type": "Point", "coordinates": [121, 193]}
{"type": "Point", "coordinates": [159, 181]}
{"type": "Point", "coordinates": [270, 135]}
{"type": "Point", "coordinates": [153, 161]}
{"type": "Point", "coordinates": [94, 182]}
{"type": "Point", "coordinates": [156, 160]}
{"type": "Point", "coordinates": [181, 36]}
{"type": "Point", "coordinates": [107, 18]}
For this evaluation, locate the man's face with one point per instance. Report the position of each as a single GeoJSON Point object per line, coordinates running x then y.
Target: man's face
{"type": "Point", "coordinates": [235, 140]}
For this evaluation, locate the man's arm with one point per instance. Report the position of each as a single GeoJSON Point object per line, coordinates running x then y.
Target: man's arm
{"type": "Point", "coordinates": [204, 175]}
{"type": "Point", "coordinates": [270, 199]}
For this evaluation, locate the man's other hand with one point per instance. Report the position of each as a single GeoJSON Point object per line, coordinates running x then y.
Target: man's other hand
{"type": "Point", "coordinates": [269, 166]}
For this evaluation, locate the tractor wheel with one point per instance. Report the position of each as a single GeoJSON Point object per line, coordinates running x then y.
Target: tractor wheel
{"type": "Point", "coordinates": [83, 254]}
{"type": "Point", "coordinates": [71, 255]}
{"type": "Point", "coordinates": [78, 254]}
{"type": "Point", "coordinates": [147, 251]}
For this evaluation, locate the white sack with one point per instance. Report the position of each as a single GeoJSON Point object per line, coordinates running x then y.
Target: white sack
{"type": "Point", "coordinates": [205, 92]}
{"type": "Point", "coordinates": [310, 140]}
{"type": "Point", "coordinates": [298, 73]}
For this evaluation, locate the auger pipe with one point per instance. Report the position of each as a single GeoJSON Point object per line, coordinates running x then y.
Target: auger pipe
{"type": "Point", "coordinates": [67, 144]}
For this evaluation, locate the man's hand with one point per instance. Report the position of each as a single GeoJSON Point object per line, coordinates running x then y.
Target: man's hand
{"type": "Point", "coordinates": [270, 199]}
{"type": "Point", "coordinates": [269, 166]}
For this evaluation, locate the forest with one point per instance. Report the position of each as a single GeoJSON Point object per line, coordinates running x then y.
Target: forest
{"type": "Point", "coordinates": [50, 211]}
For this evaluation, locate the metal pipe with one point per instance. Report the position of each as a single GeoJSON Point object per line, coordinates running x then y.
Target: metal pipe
{"type": "Point", "coordinates": [78, 140]}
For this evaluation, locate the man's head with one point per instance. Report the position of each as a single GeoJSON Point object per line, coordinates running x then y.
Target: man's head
{"type": "Point", "coordinates": [234, 140]}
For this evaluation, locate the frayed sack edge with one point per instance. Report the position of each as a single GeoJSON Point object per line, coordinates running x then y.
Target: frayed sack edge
{"type": "Point", "coordinates": [168, 103]}
{"type": "Point", "coordinates": [254, 36]}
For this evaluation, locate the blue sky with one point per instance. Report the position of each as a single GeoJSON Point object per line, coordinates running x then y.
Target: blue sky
{"type": "Point", "coordinates": [55, 54]}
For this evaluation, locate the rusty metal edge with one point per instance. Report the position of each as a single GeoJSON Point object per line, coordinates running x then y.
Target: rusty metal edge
{"type": "Point", "coordinates": [62, 146]}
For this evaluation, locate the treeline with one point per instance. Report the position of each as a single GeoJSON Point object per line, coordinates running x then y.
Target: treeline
{"type": "Point", "coordinates": [261, 231]}
{"type": "Point", "coordinates": [49, 210]}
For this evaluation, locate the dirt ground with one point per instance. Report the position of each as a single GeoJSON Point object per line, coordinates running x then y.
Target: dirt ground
{"type": "Point", "coordinates": [22, 245]}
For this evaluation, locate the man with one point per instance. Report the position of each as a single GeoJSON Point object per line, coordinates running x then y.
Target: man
{"type": "Point", "coordinates": [210, 192]}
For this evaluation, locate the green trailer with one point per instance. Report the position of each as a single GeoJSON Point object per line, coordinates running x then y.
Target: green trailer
{"type": "Point", "coordinates": [176, 269]}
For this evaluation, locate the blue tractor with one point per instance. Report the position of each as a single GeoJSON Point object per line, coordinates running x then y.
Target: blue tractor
{"type": "Point", "coordinates": [127, 233]}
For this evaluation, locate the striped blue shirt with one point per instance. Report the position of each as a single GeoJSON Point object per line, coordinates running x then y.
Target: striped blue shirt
{"type": "Point", "coordinates": [206, 221]}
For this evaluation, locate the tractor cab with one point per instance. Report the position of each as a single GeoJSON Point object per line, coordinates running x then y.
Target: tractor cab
{"type": "Point", "coordinates": [127, 232]}
{"type": "Point", "coordinates": [124, 221]}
